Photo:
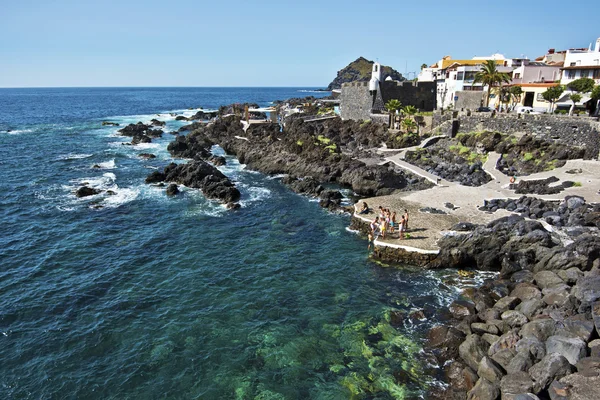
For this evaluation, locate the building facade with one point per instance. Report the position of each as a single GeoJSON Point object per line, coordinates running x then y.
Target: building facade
{"type": "Point", "coordinates": [582, 63]}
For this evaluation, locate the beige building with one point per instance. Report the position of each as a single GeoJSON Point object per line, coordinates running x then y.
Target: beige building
{"type": "Point", "coordinates": [531, 97]}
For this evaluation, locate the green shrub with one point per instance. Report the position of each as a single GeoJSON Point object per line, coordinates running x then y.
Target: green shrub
{"type": "Point", "coordinates": [299, 142]}
{"type": "Point", "coordinates": [528, 157]}
{"type": "Point", "coordinates": [322, 139]}
{"type": "Point", "coordinates": [577, 184]}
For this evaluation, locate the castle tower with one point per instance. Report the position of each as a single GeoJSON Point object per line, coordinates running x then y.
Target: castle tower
{"type": "Point", "coordinates": [375, 78]}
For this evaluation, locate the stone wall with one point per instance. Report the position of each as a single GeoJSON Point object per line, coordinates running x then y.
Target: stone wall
{"type": "Point", "coordinates": [418, 94]}
{"type": "Point", "coordinates": [355, 101]}
{"type": "Point", "coordinates": [574, 131]}
{"type": "Point", "coordinates": [469, 99]}
{"type": "Point", "coordinates": [392, 254]}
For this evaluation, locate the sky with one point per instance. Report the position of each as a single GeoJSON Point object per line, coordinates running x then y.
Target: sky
{"type": "Point", "coordinates": [266, 43]}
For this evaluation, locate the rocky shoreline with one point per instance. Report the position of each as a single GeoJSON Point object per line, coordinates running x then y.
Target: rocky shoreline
{"type": "Point", "coordinates": [531, 333]}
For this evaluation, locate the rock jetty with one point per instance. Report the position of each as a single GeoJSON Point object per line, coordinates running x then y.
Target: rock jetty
{"type": "Point", "coordinates": [531, 333]}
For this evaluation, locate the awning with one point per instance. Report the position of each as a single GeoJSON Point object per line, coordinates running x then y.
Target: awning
{"type": "Point", "coordinates": [566, 101]}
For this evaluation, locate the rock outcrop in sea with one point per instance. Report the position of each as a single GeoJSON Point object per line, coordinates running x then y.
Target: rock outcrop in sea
{"type": "Point", "coordinates": [319, 152]}
{"type": "Point", "coordinates": [200, 175]}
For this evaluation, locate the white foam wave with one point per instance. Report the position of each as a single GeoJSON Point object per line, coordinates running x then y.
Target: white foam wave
{"type": "Point", "coordinates": [73, 156]}
{"type": "Point", "coordinates": [252, 194]}
{"type": "Point", "coordinates": [17, 131]}
{"type": "Point", "coordinates": [106, 165]}
{"type": "Point", "coordinates": [311, 91]}
{"type": "Point", "coordinates": [106, 181]}
{"type": "Point", "coordinates": [146, 146]}
{"type": "Point", "coordinates": [121, 197]}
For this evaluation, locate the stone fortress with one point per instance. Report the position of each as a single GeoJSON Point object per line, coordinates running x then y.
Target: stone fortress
{"type": "Point", "coordinates": [366, 100]}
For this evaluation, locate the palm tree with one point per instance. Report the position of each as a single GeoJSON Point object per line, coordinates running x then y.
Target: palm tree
{"type": "Point", "coordinates": [423, 66]}
{"type": "Point", "coordinates": [393, 105]}
{"type": "Point", "coordinates": [409, 110]}
{"type": "Point", "coordinates": [490, 76]}
{"type": "Point", "coordinates": [409, 125]}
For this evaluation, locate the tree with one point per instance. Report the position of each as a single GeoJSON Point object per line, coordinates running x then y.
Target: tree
{"type": "Point", "coordinates": [515, 95]}
{"type": "Point", "coordinates": [552, 94]}
{"type": "Point", "coordinates": [423, 66]}
{"type": "Point", "coordinates": [490, 76]}
{"type": "Point", "coordinates": [575, 97]}
{"type": "Point", "coordinates": [596, 96]}
{"type": "Point", "coordinates": [393, 105]}
{"type": "Point", "coordinates": [409, 125]}
{"type": "Point", "coordinates": [409, 110]}
{"type": "Point", "coordinates": [582, 85]}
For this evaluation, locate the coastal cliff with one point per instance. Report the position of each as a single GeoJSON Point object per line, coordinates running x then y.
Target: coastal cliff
{"type": "Point", "coordinates": [360, 70]}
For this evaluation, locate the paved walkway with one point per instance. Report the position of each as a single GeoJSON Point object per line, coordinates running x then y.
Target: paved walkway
{"type": "Point", "coordinates": [465, 200]}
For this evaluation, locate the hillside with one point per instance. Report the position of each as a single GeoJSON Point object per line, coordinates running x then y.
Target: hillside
{"type": "Point", "coordinates": [360, 70]}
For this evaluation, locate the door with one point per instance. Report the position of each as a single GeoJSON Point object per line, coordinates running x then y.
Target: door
{"type": "Point", "coordinates": [528, 99]}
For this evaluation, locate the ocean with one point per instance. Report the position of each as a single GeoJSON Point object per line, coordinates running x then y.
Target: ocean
{"type": "Point", "coordinates": [142, 296]}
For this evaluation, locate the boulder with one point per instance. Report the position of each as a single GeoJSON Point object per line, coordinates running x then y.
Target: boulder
{"type": "Point", "coordinates": [552, 366]}
{"type": "Point", "coordinates": [526, 291]}
{"type": "Point", "coordinates": [521, 362]}
{"type": "Point", "coordinates": [589, 366]}
{"type": "Point", "coordinates": [480, 328]}
{"type": "Point", "coordinates": [530, 308]}
{"type": "Point", "coordinates": [503, 357]}
{"type": "Point", "coordinates": [461, 309]}
{"type": "Point", "coordinates": [524, 276]}
{"type": "Point", "coordinates": [544, 279]}
{"type": "Point", "coordinates": [576, 328]}
{"type": "Point", "coordinates": [594, 347]}
{"type": "Point", "coordinates": [514, 318]}
{"type": "Point", "coordinates": [561, 288]}
{"type": "Point", "coordinates": [472, 350]}
{"type": "Point", "coordinates": [85, 191]}
{"type": "Point", "coordinates": [587, 289]}
{"type": "Point", "coordinates": [489, 370]}
{"type": "Point", "coordinates": [573, 349]}
{"type": "Point", "coordinates": [558, 391]}
{"type": "Point", "coordinates": [507, 303]}
{"type": "Point", "coordinates": [172, 190]}
{"type": "Point", "coordinates": [581, 387]}
{"type": "Point", "coordinates": [515, 383]}
{"type": "Point", "coordinates": [574, 202]}
{"type": "Point", "coordinates": [533, 346]}
{"type": "Point", "coordinates": [570, 276]}
{"type": "Point", "coordinates": [484, 390]}
{"type": "Point", "coordinates": [155, 177]}
{"type": "Point", "coordinates": [542, 329]}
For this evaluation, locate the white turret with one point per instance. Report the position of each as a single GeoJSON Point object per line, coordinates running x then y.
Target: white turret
{"type": "Point", "coordinates": [375, 77]}
{"type": "Point", "coordinates": [597, 46]}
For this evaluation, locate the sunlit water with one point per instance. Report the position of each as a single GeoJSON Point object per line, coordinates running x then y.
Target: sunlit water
{"type": "Point", "coordinates": [137, 295]}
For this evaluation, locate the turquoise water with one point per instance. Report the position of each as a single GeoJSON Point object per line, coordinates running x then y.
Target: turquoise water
{"type": "Point", "coordinates": [142, 296]}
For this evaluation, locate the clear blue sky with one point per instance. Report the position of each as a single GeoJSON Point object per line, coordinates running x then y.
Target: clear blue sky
{"type": "Point", "coordinates": [266, 43]}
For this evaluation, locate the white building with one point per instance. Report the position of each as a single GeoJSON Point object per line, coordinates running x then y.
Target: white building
{"type": "Point", "coordinates": [535, 72]}
{"type": "Point", "coordinates": [582, 64]}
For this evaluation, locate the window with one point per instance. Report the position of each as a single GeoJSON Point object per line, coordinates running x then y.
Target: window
{"type": "Point", "coordinates": [571, 74]}
{"type": "Point", "coordinates": [573, 64]}
{"type": "Point", "coordinates": [585, 73]}
{"type": "Point", "coordinates": [460, 76]}
{"type": "Point", "coordinates": [470, 75]}
{"type": "Point", "coordinates": [597, 74]}
{"type": "Point", "coordinates": [517, 75]}
{"type": "Point", "coordinates": [375, 67]}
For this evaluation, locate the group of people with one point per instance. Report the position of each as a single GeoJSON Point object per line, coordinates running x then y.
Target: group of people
{"type": "Point", "coordinates": [387, 223]}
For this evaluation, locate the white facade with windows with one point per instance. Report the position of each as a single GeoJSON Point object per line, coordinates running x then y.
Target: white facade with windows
{"type": "Point", "coordinates": [582, 64]}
